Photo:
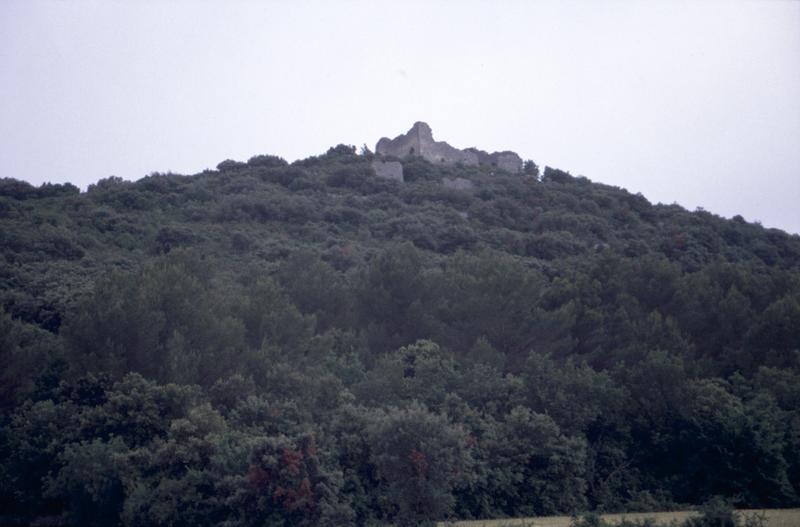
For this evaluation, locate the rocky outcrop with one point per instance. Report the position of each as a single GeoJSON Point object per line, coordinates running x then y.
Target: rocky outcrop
{"type": "Point", "coordinates": [388, 170]}
{"type": "Point", "coordinates": [419, 142]}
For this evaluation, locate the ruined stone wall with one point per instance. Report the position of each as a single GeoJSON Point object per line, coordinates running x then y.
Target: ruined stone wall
{"type": "Point", "coordinates": [441, 152]}
{"type": "Point", "coordinates": [388, 170]}
{"type": "Point", "coordinates": [508, 161]}
{"type": "Point", "coordinates": [401, 146]}
{"type": "Point", "coordinates": [419, 142]}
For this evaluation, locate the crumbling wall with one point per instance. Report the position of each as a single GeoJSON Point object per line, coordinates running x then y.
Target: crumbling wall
{"type": "Point", "coordinates": [419, 142]}
{"type": "Point", "coordinates": [401, 146]}
{"type": "Point", "coordinates": [388, 170]}
{"type": "Point", "coordinates": [508, 161]}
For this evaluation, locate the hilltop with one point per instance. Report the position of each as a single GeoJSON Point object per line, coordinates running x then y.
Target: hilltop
{"type": "Point", "coordinates": [399, 336]}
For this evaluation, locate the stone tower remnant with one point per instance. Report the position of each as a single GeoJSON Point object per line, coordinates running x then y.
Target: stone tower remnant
{"type": "Point", "coordinates": [419, 142]}
{"type": "Point", "coordinates": [388, 170]}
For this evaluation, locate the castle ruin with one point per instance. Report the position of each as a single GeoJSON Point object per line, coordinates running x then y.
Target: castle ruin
{"type": "Point", "coordinates": [419, 142]}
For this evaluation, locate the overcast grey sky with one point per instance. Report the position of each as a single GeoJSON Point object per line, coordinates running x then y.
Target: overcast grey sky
{"type": "Point", "coordinates": [690, 102]}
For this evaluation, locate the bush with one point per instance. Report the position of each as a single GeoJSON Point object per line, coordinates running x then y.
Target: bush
{"type": "Point", "coordinates": [350, 176]}
{"type": "Point", "coordinates": [266, 161]}
{"type": "Point", "coordinates": [594, 520]}
{"type": "Point", "coordinates": [556, 176]}
{"type": "Point", "coordinates": [715, 513]}
{"type": "Point", "coordinates": [230, 164]}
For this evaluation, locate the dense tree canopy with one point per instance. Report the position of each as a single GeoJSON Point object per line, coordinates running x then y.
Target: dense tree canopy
{"type": "Point", "coordinates": [308, 344]}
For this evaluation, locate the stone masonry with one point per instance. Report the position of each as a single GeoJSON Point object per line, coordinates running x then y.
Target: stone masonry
{"type": "Point", "coordinates": [419, 142]}
{"type": "Point", "coordinates": [388, 170]}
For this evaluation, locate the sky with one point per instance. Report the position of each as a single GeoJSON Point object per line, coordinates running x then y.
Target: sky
{"type": "Point", "coordinates": [688, 102]}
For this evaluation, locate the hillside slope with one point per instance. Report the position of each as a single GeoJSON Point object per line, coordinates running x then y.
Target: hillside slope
{"type": "Point", "coordinates": [309, 344]}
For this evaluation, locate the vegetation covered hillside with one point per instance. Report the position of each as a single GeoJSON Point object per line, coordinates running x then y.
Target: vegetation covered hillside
{"type": "Point", "coordinates": [309, 344]}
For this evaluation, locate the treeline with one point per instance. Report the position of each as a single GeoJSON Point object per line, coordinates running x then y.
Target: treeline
{"type": "Point", "coordinates": [307, 344]}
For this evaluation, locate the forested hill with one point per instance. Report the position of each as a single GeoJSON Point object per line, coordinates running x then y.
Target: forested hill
{"type": "Point", "coordinates": [310, 344]}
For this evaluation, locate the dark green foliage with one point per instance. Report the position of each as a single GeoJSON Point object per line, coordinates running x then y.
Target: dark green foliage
{"type": "Point", "coordinates": [24, 351]}
{"type": "Point", "coordinates": [420, 372]}
{"type": "Point", "coordinates": [306, 344]}
{"type": "Point", "coordinates": [531, 169]}
{"type": "Point", "coordinates": [594, 520]}
{"type": "Point", "coordinates": [287, 485]}
{"type": "Point", "coordinates": [717, 512]}
{"type": "Point", "coordinates": [267, 161]}
{"type": "Point", "coordinates": [22, 190]}
{"type": "Point", "coordinates": [555, 175]}
{"type": "Point", "coordinates": [163, 322]}
{"type": "Point", "coordinates": [539, 470]}
{"type": "Point", "coordinates": [419, 459]}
